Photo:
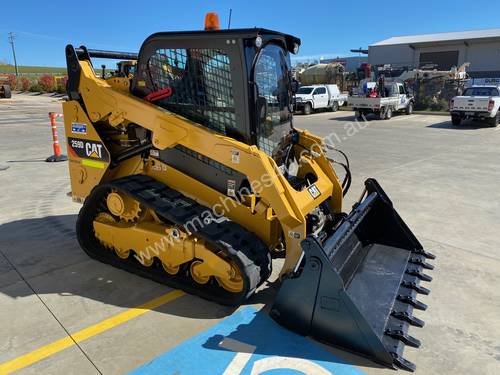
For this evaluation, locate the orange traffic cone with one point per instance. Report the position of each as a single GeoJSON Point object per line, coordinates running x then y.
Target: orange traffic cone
{"type": "Point", "coordinates": [55, 138]}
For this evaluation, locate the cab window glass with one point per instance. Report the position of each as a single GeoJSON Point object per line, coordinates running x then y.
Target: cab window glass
{"type": "Point", "coordinates": [481, 91]}
{"type": "Point", "coordinates": [201, 84]}
{"type": "Point", "coordinates": [272, 78]}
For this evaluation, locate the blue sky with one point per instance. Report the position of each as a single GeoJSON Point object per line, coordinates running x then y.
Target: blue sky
{"type": "Point", "coordinates": [327, 28]}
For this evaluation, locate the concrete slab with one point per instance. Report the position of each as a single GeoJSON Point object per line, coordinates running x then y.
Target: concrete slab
{"type": "Point", "coordinates": [92, 292]}
{"type": "Point", "coordinates": [443, 180]}
{"type": "Point", "coordinates": [69, 362]}
{"type": "Point", "coordinates": [151, 334]}
{"type": "Point", "coordinates": [26, 323]}
{"type": "Point", "coordinates": [8, 275]}
{"type": "Point", "coordinates": [36, 246]}
{"type": "Point", "coordinates": [462, 329]}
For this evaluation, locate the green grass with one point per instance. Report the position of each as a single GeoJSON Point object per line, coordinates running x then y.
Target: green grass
{"type": "Point", "coordinates": [32, 69]}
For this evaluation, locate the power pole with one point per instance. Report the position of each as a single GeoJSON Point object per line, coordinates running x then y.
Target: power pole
{"type": "Point", "coordinates": [11, 41]}
{"type": "Point", "coordinates": [230, 14]}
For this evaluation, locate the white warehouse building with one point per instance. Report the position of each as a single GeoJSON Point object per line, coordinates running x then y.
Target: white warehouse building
{"type": "Point", "coordinates": [481, 48]}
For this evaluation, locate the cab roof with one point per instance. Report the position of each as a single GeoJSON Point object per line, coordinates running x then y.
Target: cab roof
{"type": "Point", "coordinates": [250, 33]}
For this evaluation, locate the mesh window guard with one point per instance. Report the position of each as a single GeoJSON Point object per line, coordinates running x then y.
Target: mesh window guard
{"type": "Point", "coordinates": [201, 84]}
{"type": "Point", "coordinates": [271, 77]}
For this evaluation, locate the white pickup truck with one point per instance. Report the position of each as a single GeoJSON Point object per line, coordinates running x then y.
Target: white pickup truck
{"type": "Point", "coordinates": [396, 99]}
{"type": "Point", "coordinates": [477, 103]}
{"type": "Point", "coordinates": [311, 98]}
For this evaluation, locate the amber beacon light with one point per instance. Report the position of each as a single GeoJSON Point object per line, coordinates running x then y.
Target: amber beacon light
{"type": "Point", "coordinates": [211, 21]}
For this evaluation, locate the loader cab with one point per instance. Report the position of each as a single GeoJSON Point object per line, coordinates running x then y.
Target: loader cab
{"type": "Point", "coordinates": [125, 68]}
{"type": "Point", "coordinates": [235, 82]}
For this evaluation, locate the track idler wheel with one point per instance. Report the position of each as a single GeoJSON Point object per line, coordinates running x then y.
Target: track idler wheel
{"type": "Point", "coordinates": [234, 283]}
{"type": "Point", "coordinates": [197, 272]}
{"type": "Point", "coordinates": [123, 254]}
{"type": "Point", "coordinates": [171, 270]}
{"type": "Point", "coordinates": [123, 206]}
{"type": "Point", "coordinates": [147, 262]}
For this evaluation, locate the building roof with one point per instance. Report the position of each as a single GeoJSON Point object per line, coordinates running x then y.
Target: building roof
{"type": "Point", "coordinates": [440, 37]}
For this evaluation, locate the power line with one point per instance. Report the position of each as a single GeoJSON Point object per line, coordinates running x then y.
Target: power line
{"type": "Point", "coordinates": [11, 41]}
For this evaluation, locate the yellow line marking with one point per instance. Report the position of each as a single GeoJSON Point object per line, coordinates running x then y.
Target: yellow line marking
{"type": "Point", "coordinates": [86, 333]}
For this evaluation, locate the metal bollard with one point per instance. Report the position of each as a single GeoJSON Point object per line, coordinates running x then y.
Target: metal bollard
{"type": "Point", "coordinates": [55, 138]}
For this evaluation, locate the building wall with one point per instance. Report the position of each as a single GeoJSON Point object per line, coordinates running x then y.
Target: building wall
{"type": "Point", "coordinates": [484, 57]}
{"type": "Point", "coordinates": [397, 55]}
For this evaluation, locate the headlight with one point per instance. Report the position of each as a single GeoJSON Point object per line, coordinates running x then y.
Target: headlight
{"type": "Point", "coordinates": [298, 99]}
{"type": "Point", "coordinates": [258, 41]}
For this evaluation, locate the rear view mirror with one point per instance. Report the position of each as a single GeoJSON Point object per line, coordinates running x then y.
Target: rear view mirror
{"type": "Point", "coordinates": [295, 86]}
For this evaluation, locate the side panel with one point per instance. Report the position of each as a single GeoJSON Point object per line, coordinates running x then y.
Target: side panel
{"type": "Point", "coordinates": [89, 159]}
{"type": "Point", "coordinates": [268, 229]}
{"type": "Point", "coordinates": [203, 168]}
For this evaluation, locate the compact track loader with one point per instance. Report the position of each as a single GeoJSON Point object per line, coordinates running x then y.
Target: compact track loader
{"type": "Point", "coordinates": [192, 174]}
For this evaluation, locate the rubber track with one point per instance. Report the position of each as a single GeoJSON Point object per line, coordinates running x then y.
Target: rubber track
{"type": "Point", "coordinates": [243, 247]}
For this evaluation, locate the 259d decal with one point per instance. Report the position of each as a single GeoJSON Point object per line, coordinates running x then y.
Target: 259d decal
{"type": "Point", "coordinates": [93, 150]}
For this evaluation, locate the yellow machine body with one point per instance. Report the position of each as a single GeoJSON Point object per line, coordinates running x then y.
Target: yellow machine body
{"type": "Point", "coordinates": [191, 173]}
{"type": "Point", "coordinates": [275, 209]}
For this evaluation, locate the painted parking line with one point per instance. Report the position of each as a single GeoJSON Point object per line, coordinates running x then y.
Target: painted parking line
{"type": "Point", "coordinates": [247, 342]}
{"type": "Point", "coordinates": [86, 333]}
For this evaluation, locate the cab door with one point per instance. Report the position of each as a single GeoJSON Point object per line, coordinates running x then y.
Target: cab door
{"type": "Point", "coordinates": [403, 97]}
{"type": "Point", "coordinates": [320, 97]}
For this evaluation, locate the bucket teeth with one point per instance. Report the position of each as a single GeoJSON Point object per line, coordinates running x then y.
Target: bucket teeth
{"type": "Point", "coordinates": [402, 363]}
{"type": "Point", "coordinates": [406, 317]}
{"type": "Point", "coordinates": [403, 337]}
{"type": "Point", "coordinates": [421, 262]}
{"type": "Point", "coordinates": [414, 285]}
{"type": "Point", "coordinates": [426, 254]}
{"type": "Point", "coordinates": [417, 272]}
{"type": "Point", "coordinates": [412, 301]}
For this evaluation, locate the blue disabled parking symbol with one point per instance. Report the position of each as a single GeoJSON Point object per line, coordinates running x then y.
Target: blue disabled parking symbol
{"type": "Point", "coordinates": [248, 342]}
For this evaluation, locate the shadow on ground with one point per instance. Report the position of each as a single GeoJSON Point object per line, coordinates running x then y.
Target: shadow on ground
{"type": "Point", "coordinates": [343, 118]}
{"type": "Point", "coordinates": [45, 253]}
{"type": "Point", "coordinates": [42, 256]}
{"type": "Point", "coordinates": [469, 125]}
{"type": "Point", "coordinates": [26, 161]}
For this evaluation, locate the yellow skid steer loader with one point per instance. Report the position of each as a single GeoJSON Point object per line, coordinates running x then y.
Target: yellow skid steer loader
{"type": "Point", "coordinates": [192, 174]}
